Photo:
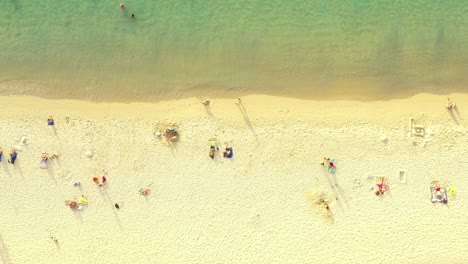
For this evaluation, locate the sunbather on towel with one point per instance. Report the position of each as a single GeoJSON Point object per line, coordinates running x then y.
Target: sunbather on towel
{"type": "Point", "coordinates": [228, 152]}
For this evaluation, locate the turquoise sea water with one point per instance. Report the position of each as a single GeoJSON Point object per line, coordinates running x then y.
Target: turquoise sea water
{"type": "Point", "coordinates": [91, 49]}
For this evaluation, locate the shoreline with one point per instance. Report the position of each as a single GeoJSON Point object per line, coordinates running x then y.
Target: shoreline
{"type": "Point", "coordinates": [118, 92]}
{"type": "Point", "coordinates": [253, 208]}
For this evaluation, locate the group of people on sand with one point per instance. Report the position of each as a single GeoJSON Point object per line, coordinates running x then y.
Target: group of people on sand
{"type": "Point", "coordinates": [77, 203]}
{"type": "Point", "coordinates": [330, 164]}
{"type": "Point", "coordinates": [227, 153]}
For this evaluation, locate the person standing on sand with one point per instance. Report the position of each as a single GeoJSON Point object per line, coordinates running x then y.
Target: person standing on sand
{"type": "Point", "coordinates": [1, 154]}
{"type": "Point", "coordinates": [13, 156]}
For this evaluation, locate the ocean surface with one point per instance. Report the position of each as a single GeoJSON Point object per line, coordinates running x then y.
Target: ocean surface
{"type": "Point", "coordinates": [336, 49]}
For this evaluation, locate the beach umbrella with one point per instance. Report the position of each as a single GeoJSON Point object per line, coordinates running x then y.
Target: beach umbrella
{"type": "Point", "coordinates": [452, 191]}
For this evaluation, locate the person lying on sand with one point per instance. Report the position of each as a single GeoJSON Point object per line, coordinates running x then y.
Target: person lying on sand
{"type": "Point", "coordinates": [72, 204]}
{"type": "Point", "coordinates": [326, 161]}
{"type": "Point", "coordinates": [103, 182]}
{"type": "Point", "coordinates": [325, 204]}
{"type": "Point", "coordinates": [145, 191]}
{"type": "Point", "coordinates": [171, 134]}
{"type": "Point", "coordinates": [77, 203]}
{"type": "Point", "coordinates": [50, 121]}
{"type": "Point", "coordinates": [382, 187]}
{"type": "Point", "coordinates": [213, 147]}
{"type": "Point", "coordinates": [212, 153]}
{"type": "Point", "coordinates": [53, 156]}
{"type": "Point", "coordinates": [227, 153]}
{"type": "Point", "coordinates": [44, 161]}
{"type": "Point", "coordinates": [13, 156]}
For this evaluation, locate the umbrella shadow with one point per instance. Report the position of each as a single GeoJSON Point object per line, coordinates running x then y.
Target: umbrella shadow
{"type": "Point", "coordinates": [4, 255]}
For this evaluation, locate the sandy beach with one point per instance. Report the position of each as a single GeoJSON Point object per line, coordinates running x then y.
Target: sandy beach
{"type": "Point", "coordinates": [258, 207]}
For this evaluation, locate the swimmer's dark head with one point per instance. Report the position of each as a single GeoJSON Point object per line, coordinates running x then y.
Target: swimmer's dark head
{"type": "Point", "coordinates": [132, 16]}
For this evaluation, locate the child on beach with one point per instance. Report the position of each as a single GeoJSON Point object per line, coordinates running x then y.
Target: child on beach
{"type": "Point", "coordinates": [13, 156]}
{"type": "Point", "coordinates": [50, 121]}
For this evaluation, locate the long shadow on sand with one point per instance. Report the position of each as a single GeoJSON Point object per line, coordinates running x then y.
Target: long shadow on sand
{"type": "Point", "coordinates": [336, 188]}
{"type": "Point", "coordinates": [4, 255]}
{"type": "Point", "coordinates": [17, 166]}
{"type": "Point", "coordinates": [105, 194]}
{"type": "Point", "coordinates": [248, 122]}
{"type": "Point", "coordinates": [55, 132]}
{"type": "Point", "coordinates": [452, 115]}
{"type": "Point", "coordinates": [5, 168]}
{"type": "Point", "coordinates": [50, 171]}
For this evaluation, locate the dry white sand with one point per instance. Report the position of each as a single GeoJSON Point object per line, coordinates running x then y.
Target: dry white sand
{"type": "Point", "coordinates": [254, 208]}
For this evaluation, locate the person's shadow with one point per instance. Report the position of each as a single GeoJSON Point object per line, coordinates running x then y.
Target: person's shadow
{"type": "Point", "coordinates": [4, 255]}
{"type": "Point", "coordinates": [247, 121]}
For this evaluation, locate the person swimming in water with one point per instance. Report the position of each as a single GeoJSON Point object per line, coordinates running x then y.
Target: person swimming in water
{"type": "Point", "coordinates": [132, 16]}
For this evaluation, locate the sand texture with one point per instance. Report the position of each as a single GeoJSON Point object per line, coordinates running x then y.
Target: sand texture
{"type": "Point", "coordinates": [261, 206]}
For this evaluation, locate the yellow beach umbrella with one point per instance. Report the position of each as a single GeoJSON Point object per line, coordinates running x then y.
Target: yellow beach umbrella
{"type": "Point", "coordinates": [452, 191]}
